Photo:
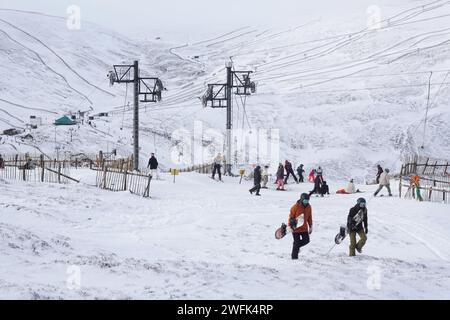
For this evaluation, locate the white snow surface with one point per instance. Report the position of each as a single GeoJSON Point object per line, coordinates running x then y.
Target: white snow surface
{"type": "Point", "coordinates": [201, 239]}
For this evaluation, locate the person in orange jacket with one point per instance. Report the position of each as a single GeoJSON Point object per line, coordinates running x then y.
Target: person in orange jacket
{"type": "Point", "coordinates": [300, 223]}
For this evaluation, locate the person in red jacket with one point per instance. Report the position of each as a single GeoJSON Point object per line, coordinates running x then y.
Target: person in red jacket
{"type": "Point", "coordinates": [300, 223]}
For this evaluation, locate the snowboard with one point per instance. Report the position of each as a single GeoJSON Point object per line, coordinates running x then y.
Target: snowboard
{"type": "Point", "coordinates": [341, 235]}
{"type": "Point", "coordinates": [281, 231]}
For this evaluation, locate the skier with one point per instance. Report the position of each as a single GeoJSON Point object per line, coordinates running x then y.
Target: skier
{"type": "Point", "coordinates": [289, 171]}
{"type": "Point", "coordinates": [380, 171]}
{"type": "Point", "coordinates": [265, 177]}
{"type": "Point", "coordinates": [357, 224]}
{"type": "Point", "coordinates": [325, 189]}
{"type": "Point", "coordinates": [217, 164]}
{"type": "Point", "coordinates": [300, 173]}
{"type": "Point", "coordinates": [280, 178]}
{"type": "Point", "coordinates": [317, 186]}
{"type": "Point", "coordinates": [312, 175]}
{"type": "Point", "coordinates": [2, 162]}
{"type": "Point", "coordinates": [257, 181]}
{"type": "Point", "coordinates": [384, 182]}
{"type": "Point", "coordinates": [153, 165]}
{"type": "Point", "coordinates": [300, 223]}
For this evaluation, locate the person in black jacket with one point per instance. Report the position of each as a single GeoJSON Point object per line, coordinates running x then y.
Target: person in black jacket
{"type": "Point", "coordinates": [317, 186]}
{"type": "Point", "coordinates": [357, 224]}
{"type": "Point", "coordinates": [324, 189]}
{"type": "Point", "coordinates": [257, 181]}
{"type": "Point", "coordinates": [153, 164]}
{"type": "Point", "coordinates": [289, 171]}
{"type": "Point", "coordinates": [300, 171]}
{"type": "Point", "coordinates": [380, 171]}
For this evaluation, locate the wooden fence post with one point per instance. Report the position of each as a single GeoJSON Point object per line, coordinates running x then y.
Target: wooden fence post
{"type": "Point", "coordinates": [105, 170]}
{"type": "Point", "coordinates": [42, 168]}
{"type": "Point", "coordinates": [147, 189]}
{"type": "Point", "coordinates": [125, 173]}
{"type": "Point", "coordinates": [425, 167]}
{"type": "Point", "coordinates": [399, 187]}
{"type": "Point", "coordinates": [59, 172]}
{"type": "Point", "coordinates": [434, 168]}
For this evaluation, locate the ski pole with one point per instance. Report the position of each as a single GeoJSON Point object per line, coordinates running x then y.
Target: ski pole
{"type": "Point", "coordinates": [331, 249]}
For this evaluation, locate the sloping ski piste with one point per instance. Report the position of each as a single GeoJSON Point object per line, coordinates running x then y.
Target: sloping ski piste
{"type": "Point", "coordinates": [343, 96]}
{"type": "Point", "coordinates": [200, 239]}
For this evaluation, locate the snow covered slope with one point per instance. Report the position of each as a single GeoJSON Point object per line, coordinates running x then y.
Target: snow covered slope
{"type": "Point", "coordinates": [344, 95]}
{"type": "Point", "coordinates": [200, 239]}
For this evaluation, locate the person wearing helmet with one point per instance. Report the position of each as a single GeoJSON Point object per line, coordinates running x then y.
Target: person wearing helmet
{"type": "Point", "coordinates": [357, 224]}
{"type": "Point", "coordinates": [300, 223]}
{"type": "Point", "coordinates": [384, 182]}
{"type": "Point", "coordinates": [257, 181]}
{"type": "Point", "coordinates": [300, 171]}
{"type": "Point", "coordinates": [379, 172]}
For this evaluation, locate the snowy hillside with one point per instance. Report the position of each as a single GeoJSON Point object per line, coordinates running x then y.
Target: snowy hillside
{"type": "Point", "coordinates": [200, 239]}
{"type": "Point", "coordinates": [342, 94]}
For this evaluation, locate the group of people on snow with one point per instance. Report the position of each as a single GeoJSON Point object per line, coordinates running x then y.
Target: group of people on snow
{"type": "Point", "coordinates": [300, 224]}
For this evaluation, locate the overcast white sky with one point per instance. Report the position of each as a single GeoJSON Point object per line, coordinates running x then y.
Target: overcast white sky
{"type": "Point", "coordinates": [140, 18]}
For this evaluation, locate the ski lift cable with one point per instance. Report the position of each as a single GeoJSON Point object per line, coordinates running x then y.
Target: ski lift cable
{"type": "Point", "coordinates": [424, 119]}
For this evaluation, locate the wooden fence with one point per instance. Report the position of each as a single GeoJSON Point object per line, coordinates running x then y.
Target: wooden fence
{"type": "Point", "coordinates": [36, 174]}
{"type": "Point", "coordinates": [75, 162]}
{"type": "Point", "coordinates": [426, 167]}
{"type": "Point", "coordinates": [434, 179]}
{"type": "Point", "coordinates": [201, 168]}
{"type": "Point", "coordinates": [122, 180]}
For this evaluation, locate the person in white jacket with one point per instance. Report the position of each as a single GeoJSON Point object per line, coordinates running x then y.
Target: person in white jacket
{"type": "Point", "coordinates": [350, 187]}
{"type": "Point", "coordinates": [384, 182]}
{"type": "Point", "coordinates": [265, 177]}
{"type": "Point", "coordinates": [217, 165]}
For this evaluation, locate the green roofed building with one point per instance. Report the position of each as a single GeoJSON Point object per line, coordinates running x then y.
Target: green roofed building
{"type": "Point", "coordinates": [64, 121]}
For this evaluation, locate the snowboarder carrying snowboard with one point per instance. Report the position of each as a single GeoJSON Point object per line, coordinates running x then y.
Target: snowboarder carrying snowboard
{"type": "Point", "coordinates": [357, 224]}
{"type": "Point", "coordinates": [300, 223]}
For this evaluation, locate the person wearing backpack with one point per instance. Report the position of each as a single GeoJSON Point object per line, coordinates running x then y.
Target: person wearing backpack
{"type": "Point", "coordinates": [300, 224]}
{"type": "Point", "coordinates": [357, 224]}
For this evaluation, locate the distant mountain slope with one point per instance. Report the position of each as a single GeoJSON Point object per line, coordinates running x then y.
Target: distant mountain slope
{"type": "Point", "coordinates": [342, 96]}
